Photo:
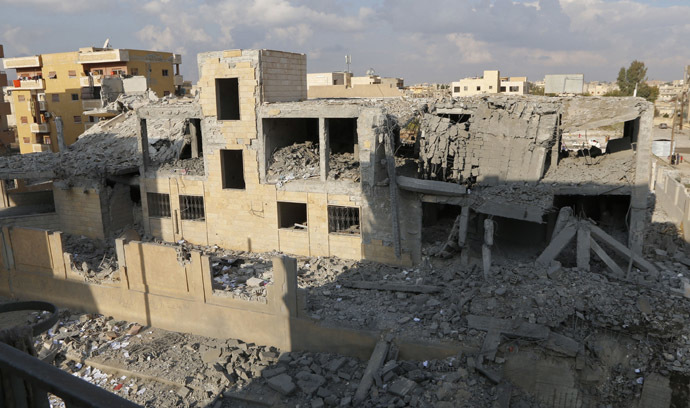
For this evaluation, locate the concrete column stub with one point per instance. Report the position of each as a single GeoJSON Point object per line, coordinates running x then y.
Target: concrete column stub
{"type": "Point", "coordinates": [324, 150]}
{"type": "Point", "coordinates": [284, 293]}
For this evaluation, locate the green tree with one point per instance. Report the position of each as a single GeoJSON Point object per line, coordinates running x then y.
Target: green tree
{"type": "Point", "coordinates": [536, 90]}
{"type": "Point", "coordinates": [635, 76]}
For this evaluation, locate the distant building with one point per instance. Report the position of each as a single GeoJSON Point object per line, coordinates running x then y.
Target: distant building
{"type": "Point", "coordinates": [67, 84]}
{"type": "Point", "coordinates": [596, 88]}
{"type": "Point", "coordinates": [7, 135]}
{"type": "Point", "coordinates": [329, 78]}
{"type": "Point", "coordinates": [345, 85]}
{"type": "Point", "coordinates": [564, 84]}
{"type": "Point", "coordinates": [490, 83]}
{"type": "Point", "coordinates": [514, 85]}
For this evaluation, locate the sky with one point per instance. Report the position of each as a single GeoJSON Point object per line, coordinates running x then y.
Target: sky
{"type": "Point", "coordinates": [420, 40]}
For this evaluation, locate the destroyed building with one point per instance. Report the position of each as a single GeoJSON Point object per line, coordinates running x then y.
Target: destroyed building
{"type": "Point", "coordinates": [251, 165]}
{"type": "Point", "coordinates": [406, 198]}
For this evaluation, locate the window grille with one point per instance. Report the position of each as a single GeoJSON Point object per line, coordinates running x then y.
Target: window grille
{"type": "Point", "coordinates": [159, 205]}
{"type": "Point", "coordinates": [343, 220]}
{"type": "Point", "coordinates": [192, 207]}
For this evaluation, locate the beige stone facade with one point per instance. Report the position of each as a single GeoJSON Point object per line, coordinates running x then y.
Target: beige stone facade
{"type": "Point", "coordinates": [247, 217]}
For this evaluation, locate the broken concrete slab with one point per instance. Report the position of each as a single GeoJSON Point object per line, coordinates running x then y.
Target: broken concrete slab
{"type": "Point", "coordinates": [557, 245]}
{"type": "Point", "coordinates": [511, 328]}
{"type": "Point", "coordinates": [282, 383]}
{"type": "Point", "coordinates": [431, 187]}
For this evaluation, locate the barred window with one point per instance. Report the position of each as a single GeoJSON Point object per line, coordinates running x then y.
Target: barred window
{"type": "Point", "coordinates": [343, 220]}
{"type": "Point", "coordinates": [159, 205]}
{"type": "Point", "coordinates": [192, 207]}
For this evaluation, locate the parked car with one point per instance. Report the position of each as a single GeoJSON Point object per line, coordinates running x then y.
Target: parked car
{"type": "Point", "coordinates": [663, 126]}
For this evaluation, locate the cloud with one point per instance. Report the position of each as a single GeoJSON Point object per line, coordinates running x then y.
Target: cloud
{"type": "Point", "coordinates": [440, 40]}
{"type": "Point", "coordinates": [471, 50]}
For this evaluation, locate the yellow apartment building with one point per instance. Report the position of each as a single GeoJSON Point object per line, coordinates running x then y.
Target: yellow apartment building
{"type": "Point", "coordinates": [52, 91]}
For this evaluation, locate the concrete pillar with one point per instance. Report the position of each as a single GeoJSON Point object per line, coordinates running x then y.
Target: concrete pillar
{"type": "Point", "coordinates": [640, 190]}
{"type": "Point", "coordinates": [143, 144]}
{"type": "Point", "coordinates": [60, 134]}
{"type": "Point", "coordinates": [285, 286]}
{"type": "Point", "coordinates": [486, 248]}
{"type": "Point", "coordinates": [564, 215]}
{"type": "Point", "coordinates": [324, 149]}
{"type": "Point", "coordinates": [583, 247]}
{"type": "Point", "coordinates": [195, 140]}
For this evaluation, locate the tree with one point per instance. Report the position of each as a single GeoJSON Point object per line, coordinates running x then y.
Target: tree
{"type": "Point", "coordinates": [635, 76]}
{"type": "Point", "coordinates": [536, 90]}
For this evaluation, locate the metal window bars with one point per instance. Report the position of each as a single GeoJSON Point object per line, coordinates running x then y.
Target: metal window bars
{"type": "Point", "coordinates": [159, 205]}
{"type": "Point", "coordinates": [192, 207]}
{"type": "Point", "coordinates": [343, 220]}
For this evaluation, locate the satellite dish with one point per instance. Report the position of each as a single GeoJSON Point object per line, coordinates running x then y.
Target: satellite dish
{"type": "Point", "coordinates": [371, 71]}
{"type": "Point", "coordinates": [106, 44]}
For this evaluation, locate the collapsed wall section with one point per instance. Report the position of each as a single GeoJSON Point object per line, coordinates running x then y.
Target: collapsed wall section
{"type": "Point", "coordinates": [489, 140]}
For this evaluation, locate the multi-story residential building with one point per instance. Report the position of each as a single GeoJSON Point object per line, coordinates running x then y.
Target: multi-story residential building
{"type": "Point", "coordinates": [7, 135]}
{"type": "Point", "coordinates": [52, 91]}
{"type": "Point", "coordinates": [490, 83]}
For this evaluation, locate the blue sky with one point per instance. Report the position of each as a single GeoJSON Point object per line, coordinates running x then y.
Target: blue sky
{"type": "Point", "coordinates": [422, 41]}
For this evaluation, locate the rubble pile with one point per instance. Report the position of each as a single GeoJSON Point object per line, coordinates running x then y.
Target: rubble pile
{"type": "Point", "coordinates": [297, 161]}
{"type": "Point", "coordinates": [93, 259]}
{"type": "Point", "coordinates": [613, 169]}
{"type": "Point", "coordinates": [240, 278]}
{"type": "Point", "coordinates": [343, 166]}
{"type": "Point", "coordinates": [192, 167]}
{"type": "Point", "coordinates": [154, 367]}
{"type": "Point", "coordinates": [108, 147]}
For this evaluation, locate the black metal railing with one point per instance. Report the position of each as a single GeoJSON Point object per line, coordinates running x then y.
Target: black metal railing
{"type": "Point", "coordinates": [25, 381]}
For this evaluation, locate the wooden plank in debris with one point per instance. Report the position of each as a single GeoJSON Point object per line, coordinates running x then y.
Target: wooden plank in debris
{"type": "Point", "coordinates": [557, 245]}
{"type": "Point", "coordinates": [622, 249]}
{"type": "Point", "coordinates": [601, 253]}
{"type": "Point", "coordinates": [393, 287]}
{"type": "Point", "coordinates": [431, 187]}
{"type": "Point", "coordinates": [511, 328]}
{"type": "Point", "coordinates": [375, 362]}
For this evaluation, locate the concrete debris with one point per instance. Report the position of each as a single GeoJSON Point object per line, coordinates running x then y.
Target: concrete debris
{"type": "Point", "coordinates": [294, 162]}
{"type": "Point", "coordinates": [93, 259]}
{"type": "Point", "coordinates": [343, 166]}
{"type": "Point", "coordinates": [109, 147]}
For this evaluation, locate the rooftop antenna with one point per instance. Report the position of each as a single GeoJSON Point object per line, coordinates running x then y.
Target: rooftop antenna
{"type": "Point", "coordinates": [106, 44]}
{"type": "Point", "coordinates": [348, 61]}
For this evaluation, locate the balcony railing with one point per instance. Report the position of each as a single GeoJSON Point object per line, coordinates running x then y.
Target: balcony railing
{"type": "Point", "coordinates": [40, 128]}
{"type": "Point", "coordinates": [89, 104]}
{"type": "Point", "coordinates": [22, 62]}
{"type": "Point", "coordinates": [40, 147]}
{"type": "Point", "coordinates": [85, 81]}
{"type": "Point", "coordinates": [96, 57]}
{"type": "Point", "coordinates": [28, 84]}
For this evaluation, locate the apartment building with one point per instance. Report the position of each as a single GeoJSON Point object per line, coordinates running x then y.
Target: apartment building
{"type": "Point", "coordinates": [596, 88]}
{"type": "Point", "coordinates": [52, 91]}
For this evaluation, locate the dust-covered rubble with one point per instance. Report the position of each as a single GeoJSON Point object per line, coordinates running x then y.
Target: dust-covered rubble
{"type": "Point", "coordinates": [294, 162]}
{"type": "Point", "coordinates": [95, 260]}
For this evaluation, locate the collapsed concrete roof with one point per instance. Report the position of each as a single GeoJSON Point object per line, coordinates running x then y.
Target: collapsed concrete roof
{"type": "Point", "coordinates": [107, 148]}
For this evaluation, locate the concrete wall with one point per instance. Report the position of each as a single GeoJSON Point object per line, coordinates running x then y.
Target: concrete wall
{"type": "Point", "coordinates": [49, 221]}
{"type": "Point", "coordinates": [673, 197]}
{"type": "Point", "coordinates": [565, 83]}
{"type": "Point", "coordinates": [156, 290]}
{"type": "Point", "coordinates": [284, 76]}
{"type": "Point", "coordinates": [80, 211]}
